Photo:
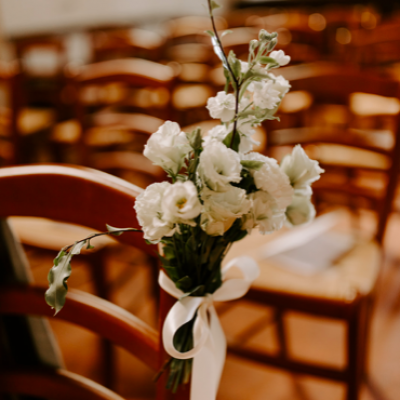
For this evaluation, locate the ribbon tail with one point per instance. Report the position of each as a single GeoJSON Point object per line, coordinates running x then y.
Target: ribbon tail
{"type": "Point", "coordinates": [208, 364]}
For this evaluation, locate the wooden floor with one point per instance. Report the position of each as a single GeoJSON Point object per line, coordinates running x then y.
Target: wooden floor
{"type": "Point", "coordinates": [311, 338]}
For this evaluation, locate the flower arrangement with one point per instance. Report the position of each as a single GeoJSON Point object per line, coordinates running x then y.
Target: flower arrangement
{"type": "Point", "coordinates": [220, 190]}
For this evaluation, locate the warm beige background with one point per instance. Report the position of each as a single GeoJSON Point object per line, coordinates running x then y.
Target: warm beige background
{"type": "Point", "coordinates": [29, 16]}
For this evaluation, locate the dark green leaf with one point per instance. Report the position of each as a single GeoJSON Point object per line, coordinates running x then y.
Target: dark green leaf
{"type": "Point", "coordinates": [184, 284]}
{"type": "Point", "coordinates": [252, 164]}
{"type": "Point", "coordinates": [214, 5]}
{"type": "Point", "coordinates": [225, 33]}
{"type": "Point", "coordinates": [267, 60]}
{"type": "Point", "coordinates": [172, 272]}
{"type": "Point", "coordinates": [57, 277]}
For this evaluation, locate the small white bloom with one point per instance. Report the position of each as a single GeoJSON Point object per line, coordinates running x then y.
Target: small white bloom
{"type": "Point", "coordinates": [301, 170]}
{"type": "Point", "coordinates": [271, 179]}
{"type": "Point", "coordinates": [168, 147]}
{"type": "Point", "coordinates": [264, 213]}
{"type": "Point", "coordinates": [280, 57]}
{"type": "Point", "coordinates": [221, 209]}
{"type": "Point", "coordinates": [222, 106]}
{"type": "Point", "coordinates": [181, 203]}
{"type": "Point", "coordinates": [218, 166]}
{"type": "Point", "coordinates": [280, 84]}
{"type": "Point", "coordinates": [244, 66]}
{"type": "Point", "coordinates": [264, 94]}
{"type": "Point", "coordinates": [150, 215]}
{"type": "Point", "coordinates": [300, 211]}
{"type": "Point", "coordinates": [220, 132]}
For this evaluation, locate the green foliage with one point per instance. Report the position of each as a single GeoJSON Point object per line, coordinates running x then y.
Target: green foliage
{"type": "Point", "coordinates": [252, 164]}
{"type": "Point", "coordinates": [214, 5]}
{"type": "Point", "coordinates": [58, 275]}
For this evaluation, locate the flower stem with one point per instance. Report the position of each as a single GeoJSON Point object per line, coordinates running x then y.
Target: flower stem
{"type": "Point", "coordinates": [233, 77]}
{"type": "Point", "coordinates": [114, 233]}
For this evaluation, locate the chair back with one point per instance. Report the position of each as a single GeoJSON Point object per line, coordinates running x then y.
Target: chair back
{"type": "Point", "coordinates": [89, 198]}
{"type": "Point", "coordinates": [340, 129]}
{"type": "Point", "coordinates": [121, 88]}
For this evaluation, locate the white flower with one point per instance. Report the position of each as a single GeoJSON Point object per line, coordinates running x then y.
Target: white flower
{"type": "Point", "coordinates": [222, 106]}
{"type": "Point", "coordinates": [264, 94]}
{"type": "Point", "coordinates": [168, 147]}
{"type": "Point", "coordinates": [271, 179]}
{"type": "Point", "coordinates": [181, 203]}
{"type": "Point", "coordinates": [300, 211]}
{"type": "Point", "coordinates": [218, 166]}
{"type": "Point", "coordinates": [220, 132]}
{"type": "Point", "coordinates": [280, 84]}
{"type": "Point", "coordinates": [301, 170]}
{"type": "Point", "coordinates": [221, 209]}
{"type": "Point", "coordinates": [244, 66]}
{"type": "Point", "coordinates": [280, 57]}
{"type": "Point", "coordinates": [149, 212]}
{"type": "Point", "coordinates": [264, 213]}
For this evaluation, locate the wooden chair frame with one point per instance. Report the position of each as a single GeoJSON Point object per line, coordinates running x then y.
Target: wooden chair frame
{"type": "Point", "coordinates": [90, 198]}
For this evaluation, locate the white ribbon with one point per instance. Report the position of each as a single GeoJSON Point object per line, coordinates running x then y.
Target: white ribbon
{"type": "Point", "coordinates": [209, 348]}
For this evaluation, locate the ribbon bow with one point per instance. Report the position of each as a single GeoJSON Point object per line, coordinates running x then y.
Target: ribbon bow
{"type": "Point", "coordinates": [209, 348]}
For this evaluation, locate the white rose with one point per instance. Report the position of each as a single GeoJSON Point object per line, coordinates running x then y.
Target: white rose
{"type": "Point", "coordinates": [221, 209]}
{"type": "Point", "coordinates": [271, 179]}
{"type": "Point", "coordinates": [181, 203]}
{"type": "Point", "coordinates": [264, 213]}
{"type": "Point", "coordinates": [220, 132]}
{"type": "Point", "coordinates": [218, 166]}
{"type": "Point", "coordinates": [150, 215]}
{"type": "Point", "coordinates": [222, 106]}
{"type": "Point", "coordinates": [280, 84]}
{"type": "Point", "coordinates": [280, 57]}
{"type": "Point", "coordinates": [168, 147]}
{"type": "Point", "coordinates": [300, 211]}
{"type": "Point", "coordinates": [301, 170]}
{"type": "Point", "coordinates": [264, 94]}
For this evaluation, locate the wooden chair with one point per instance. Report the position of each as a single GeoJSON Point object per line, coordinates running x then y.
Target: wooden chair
{"type": "Point", "coordinates": [42, 59]}
{"type": "Point", "coordinates": [120, 42]}
{"type": "Point", "coordinates": [73, 194]}
{"type": "Point", "coordinates": [346, 291]}
{"type": "Point", "coordinates": [116, 103]}
{"type": "Point", "coordinates": [22, 128]}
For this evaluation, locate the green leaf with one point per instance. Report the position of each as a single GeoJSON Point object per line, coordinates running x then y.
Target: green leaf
{"type": "Point", "coordinates": [184, 283]}
{"type": "Point", "coordinates": [172, 272]}
{"type": "Point", "coordinates": [252, 164]}
{"type": "Point", "coordinates": [119, 231]}
{"type": "Point", "coordinates": [267, 60]}
{"type": "Point", "coordinates": [211, 33]}
{"type": "Point", "coordinates": [214, 5]}
{"type": "Point", "coordinates": [57, 277]}
{"type": "Point", "coordinates": [224, 33]}
{"type": "Point", "coordinates": [218, 51]}
{"type": "Point", "coordinates": [59, 256]}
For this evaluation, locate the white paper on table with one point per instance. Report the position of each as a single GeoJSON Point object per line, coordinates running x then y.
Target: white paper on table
{"type": "Point", "coordinates": [309, 249]}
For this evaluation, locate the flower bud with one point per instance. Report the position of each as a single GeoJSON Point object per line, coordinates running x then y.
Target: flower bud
{"type": "Point", "coordinates": [265, 36]}
{"type": "Point", "coordinates": [253, 44]}
{"type": "Point", "coordinates": [272, 44]}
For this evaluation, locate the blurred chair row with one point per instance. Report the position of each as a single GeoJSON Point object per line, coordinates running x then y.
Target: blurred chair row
{"type": "Point", "coordinates": [359, 151]}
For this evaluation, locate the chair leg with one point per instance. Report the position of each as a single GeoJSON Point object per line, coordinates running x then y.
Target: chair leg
{"type": "Point", "coordinates": [356, 348]}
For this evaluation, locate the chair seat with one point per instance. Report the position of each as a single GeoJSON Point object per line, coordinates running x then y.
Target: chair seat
{"type": "Point", "coordinates": [52, 235]}
{"type": "Point", "coordinates": [356, 271]}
